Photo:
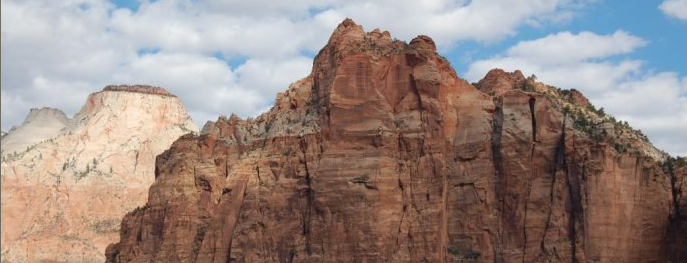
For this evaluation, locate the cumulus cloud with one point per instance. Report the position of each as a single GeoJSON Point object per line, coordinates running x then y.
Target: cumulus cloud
{"type": "Point", "coordinates": [221, 57]}
{"type": "Point", "coordinates": [217, 56]}
{"type": "Point", "coordinates": [655, 102]}
{"type": "Point", "coordinates": [53, 53]}
{"type": "Point", "coordinates": [566, 47]}
{"type": "Point", "coordinates": [675, 8]}
{"type": "Point", "coordinates": [450, 21]}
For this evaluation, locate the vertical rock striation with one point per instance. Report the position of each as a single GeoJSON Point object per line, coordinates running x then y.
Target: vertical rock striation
{"type": "Point", "coordinates": [383, 154]}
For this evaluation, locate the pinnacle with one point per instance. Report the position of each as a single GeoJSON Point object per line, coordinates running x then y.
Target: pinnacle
{"type": "Point", "coordinates": [347, 31]}
{"type": "Point", "coordinates": [423, 42]}
{"type": "Point", "coordinates": [347, 23]}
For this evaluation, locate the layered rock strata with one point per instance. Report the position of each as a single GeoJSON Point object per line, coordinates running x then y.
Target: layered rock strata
{"type": "Point", "coordinates": [383, 154]}
{"type": "Point", "coordinates": [64, 195]}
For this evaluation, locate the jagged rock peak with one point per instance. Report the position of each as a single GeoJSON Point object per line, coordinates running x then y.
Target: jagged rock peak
{"type": "Point", "coordinates": [383, 154]}
{"type": "Point", "coordinates": [423, 42]}
{"type": "Point", "coordinates": [350, 37]}
{"type": "Point", "coordinates": [349, 29]}
{"type": "Point", "coordinates": [497, 81]}
{"type": "Point", "coordinates": [139, 89]}
{"type": "Point", "coordinates": [345, 27]}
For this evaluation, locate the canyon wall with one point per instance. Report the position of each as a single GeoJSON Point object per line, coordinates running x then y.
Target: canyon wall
{"type": "Point", "coordinates": [383, 154]}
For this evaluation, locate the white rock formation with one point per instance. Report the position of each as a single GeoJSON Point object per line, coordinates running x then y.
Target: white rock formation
{"type": "Point", "coordinates": [63, 199]}
{"type": "Point", "coordinates": [39, 125]}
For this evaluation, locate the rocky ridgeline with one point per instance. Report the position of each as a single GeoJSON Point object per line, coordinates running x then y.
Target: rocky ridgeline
{"type": "Point", "coordinates": [383, 154]}
{"type": "Point", "coordinates": [66, 183]}
{"type": "Point", "coordinates": [583, 115]}
{"type": "Point", "coordinates": [138, 88]}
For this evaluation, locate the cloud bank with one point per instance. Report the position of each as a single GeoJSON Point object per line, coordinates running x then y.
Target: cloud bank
{"type": "Point", "coordinates": [218, 56]}
{"type": "Point", "coordinates": [223, 57]}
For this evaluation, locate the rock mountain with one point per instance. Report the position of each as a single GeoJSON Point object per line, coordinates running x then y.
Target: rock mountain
{"type": "Point", "coordinates": [39, 125]}
{"type": "Point", "coordinates": [383, 154]}
{"type": "Point", "coordinates": [67, 182]}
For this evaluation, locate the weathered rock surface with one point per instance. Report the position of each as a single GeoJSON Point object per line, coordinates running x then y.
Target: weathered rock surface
{"type": "Point", "coordinates": [497, 82]}
{"type": "Point", "coordinates": [145, 89]}
{"type": "Point", "coordinates": [677, 231]}
{"type": "Point", "coordinates": [39, 125]}
{"type": "Point", "coordinates": [63, 198]}
{"type": "Point", "coordinates": [383, 154]}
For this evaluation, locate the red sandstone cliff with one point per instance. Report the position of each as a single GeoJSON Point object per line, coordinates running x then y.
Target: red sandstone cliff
{"type": "Point", "coordinates": [383, 154]}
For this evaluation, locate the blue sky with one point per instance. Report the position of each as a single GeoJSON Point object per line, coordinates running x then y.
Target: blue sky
{"type": "Point", "coordinates": [665, 52]}
{"type": "Point", "coordinates": [667, 36]}
{"type": "Point", "coordinates": [221, 57]}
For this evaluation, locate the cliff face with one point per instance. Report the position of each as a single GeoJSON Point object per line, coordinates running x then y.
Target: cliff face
{"type": "Point", "coordinates": [677, 230]}
{"type": "Point", "coordinates": [63, 196]}
{"type": "Point", "coordinates": [383, 154]}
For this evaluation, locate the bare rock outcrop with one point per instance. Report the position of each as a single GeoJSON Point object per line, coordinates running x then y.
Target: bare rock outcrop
{"type": "Point", "coordinates": [497, 82]}
{"type": "Point", "coordinates": [145, 89]}
{"type": "Point", "coordinates": [63, 197]}
{"type": "Point", "coordinates": [383, 154]}
{"type": "Point", "coordinates": [676, 236]}
{"type": "Point", "coordinates": [39, 125]}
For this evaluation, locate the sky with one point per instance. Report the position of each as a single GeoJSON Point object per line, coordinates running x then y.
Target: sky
{"type": "Point", "coordinates": [221, 57]}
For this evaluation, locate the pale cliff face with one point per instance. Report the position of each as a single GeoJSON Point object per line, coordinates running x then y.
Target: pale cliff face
{"type": "Point", "coordinates": [39, 125]}
{"type": "Point", "coordinates": [63, 198]}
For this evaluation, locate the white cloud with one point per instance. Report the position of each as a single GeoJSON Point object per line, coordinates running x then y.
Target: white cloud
{"type": "Point", "coordinates": [566, 47]}
{"type": "Point", "coordinates": [50, 50]}
{"type": "Point", "coordinates": [56, 52]}
{"type": "Point", "coordinates": [675, 8]}
{"type": "Point", "coordinates": [272, 74]}
{"type": "Point", "coordinates": [656, 103]}
{"type": "Point", "coordinates": [210, 82]}
{"type": "Point", "coordinates": [451, 21]}
{"type": "Point", "coordinates": [570, 60]}
{"type": "Point", "coordinates": [591, 77]}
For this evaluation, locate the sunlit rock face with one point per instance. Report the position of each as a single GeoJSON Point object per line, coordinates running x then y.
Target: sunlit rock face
{"type": "Point", "coordinates": [63, 195]}
{"type": "Point", "coordinates": [383, 154]}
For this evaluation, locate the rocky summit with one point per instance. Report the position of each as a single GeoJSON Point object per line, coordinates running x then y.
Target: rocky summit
{"type": "Point", "coordinates": [383, 154]}
{"type": "Point", "coordinates": [66, 183]}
